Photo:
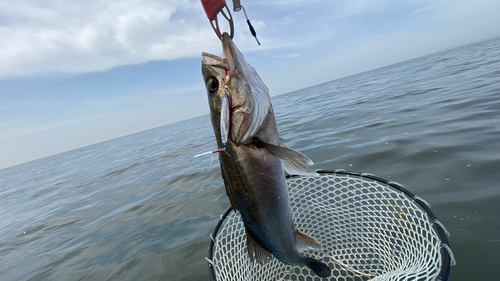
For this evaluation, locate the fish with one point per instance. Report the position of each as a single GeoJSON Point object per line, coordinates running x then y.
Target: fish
{"type": "Point", "coordinates": [253, 159]}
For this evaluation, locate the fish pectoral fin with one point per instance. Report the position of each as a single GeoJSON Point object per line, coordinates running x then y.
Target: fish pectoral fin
{"type": "Point", "coordinates": [305, 242]}
{"type": "Point", "coordinates": [295, 167]}
{"type": "Point", "coordinates": [291, 160]}
{"type": "Point", "coordinates": [286, 153]}
{"type": "Point", "coordinates": [255, 250]}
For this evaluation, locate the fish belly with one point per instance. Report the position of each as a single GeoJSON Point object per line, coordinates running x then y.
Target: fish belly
{"type": "Point", "coordinates": [259, 188]}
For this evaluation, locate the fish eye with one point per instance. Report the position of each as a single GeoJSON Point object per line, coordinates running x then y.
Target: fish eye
{"type": "Point", "coordinates": [212, 85]}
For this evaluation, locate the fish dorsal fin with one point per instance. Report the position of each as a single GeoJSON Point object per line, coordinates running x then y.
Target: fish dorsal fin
{"type": "Point", "coordinates": [291, 160]}
{"type": "Point", "coordinates": [255, 250]}
{"type": "Point", "coordinates": [305, 242]}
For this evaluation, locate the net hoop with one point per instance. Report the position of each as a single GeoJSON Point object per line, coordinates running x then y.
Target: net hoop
{"type": "Point", "coordinates": [411, 214]}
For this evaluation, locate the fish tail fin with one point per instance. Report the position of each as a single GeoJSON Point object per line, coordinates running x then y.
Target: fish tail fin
{"type": "Point", "coordinates": [305, 242]}
{"type": "Point", "coordinates": [321, 269]}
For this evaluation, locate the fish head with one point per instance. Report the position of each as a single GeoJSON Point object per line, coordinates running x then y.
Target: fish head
{"type": "Point", "coordinates": [249, 97]}
{"type": "Point", "coordinates": [213, 70]}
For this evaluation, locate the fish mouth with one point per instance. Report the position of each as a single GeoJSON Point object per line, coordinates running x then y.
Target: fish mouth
{"type": "Point", "coordinates": [215, 62]}
{"type": "Point", "coordinates": [226, 63]}
{"type": "Point", "coordinates": [229, 52]}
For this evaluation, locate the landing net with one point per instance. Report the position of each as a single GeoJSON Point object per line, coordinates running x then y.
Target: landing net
{"type": "Point", "coordinates": [370, 229]}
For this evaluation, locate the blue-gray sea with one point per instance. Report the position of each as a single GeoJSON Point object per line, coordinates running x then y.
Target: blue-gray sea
{"type": "Point", "coordinates": [141, 207]}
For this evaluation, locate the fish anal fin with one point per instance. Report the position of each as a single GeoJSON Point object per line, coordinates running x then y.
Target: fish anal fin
{"type": "Point", "coordinates": [255, 250]}
{"type": "Point", "coordinates": [305, 242]}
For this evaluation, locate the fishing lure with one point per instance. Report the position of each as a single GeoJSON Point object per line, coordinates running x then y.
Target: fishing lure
{"type": "Point", "coordinates": [225, 122]}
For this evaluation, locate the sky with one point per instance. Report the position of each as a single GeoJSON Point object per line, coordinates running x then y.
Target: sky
{"type": "Point", "coordinates": [75, 73]}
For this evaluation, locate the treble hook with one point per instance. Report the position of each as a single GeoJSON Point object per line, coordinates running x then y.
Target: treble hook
{"type": "Point", "coordinates": [212, 9]}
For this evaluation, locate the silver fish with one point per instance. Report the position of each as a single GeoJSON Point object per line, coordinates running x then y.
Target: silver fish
{"type": "Point", "coordinates": [253, 160]}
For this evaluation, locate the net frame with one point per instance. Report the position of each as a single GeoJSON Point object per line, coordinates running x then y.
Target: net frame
{"type": "Point", "coordinates": [388, 269]}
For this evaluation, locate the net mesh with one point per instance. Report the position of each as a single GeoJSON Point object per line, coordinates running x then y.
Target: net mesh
{"type": "Point", "coordinates": [368, 230]}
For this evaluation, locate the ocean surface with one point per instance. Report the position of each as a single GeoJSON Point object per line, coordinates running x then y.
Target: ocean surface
{"type": "Point", "coordinates": [141, 207]}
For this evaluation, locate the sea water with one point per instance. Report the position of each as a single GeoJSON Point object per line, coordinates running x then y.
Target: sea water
{"type": "Point", "coordinates": [141, 207]}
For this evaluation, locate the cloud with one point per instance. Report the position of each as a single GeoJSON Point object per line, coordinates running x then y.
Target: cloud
{"type": "Point", "coordinates": [364, 45]}
{"type": "Point", "coordinates": [338, 8]}
{"type": "Point", "coordinates": [83, 36]}
{"type": "Point", "coordinates": [57, 36]}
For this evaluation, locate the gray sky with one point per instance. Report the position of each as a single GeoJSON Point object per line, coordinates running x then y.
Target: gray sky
{"type": "Point", "coordinates": [73, 73]}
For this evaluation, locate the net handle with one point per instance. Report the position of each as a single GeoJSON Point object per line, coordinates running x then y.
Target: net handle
{"type": "Point", "coordinates": [442, 233]}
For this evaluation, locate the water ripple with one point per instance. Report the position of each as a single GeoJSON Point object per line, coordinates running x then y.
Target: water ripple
{"type": "Point", "coordinates": [141, 207]}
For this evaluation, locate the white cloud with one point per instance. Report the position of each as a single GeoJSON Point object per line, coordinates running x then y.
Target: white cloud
{"type": "Point", "coordinates": [338, 8]}
{"type": "Point", "coordinates": [56, 36]}
{"type": "Point", "coordinates": [50, 36]}
{"type": "Point", "coordinates": [436, 27]}
{"type": "Point", "coordinates": [83, 36]}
